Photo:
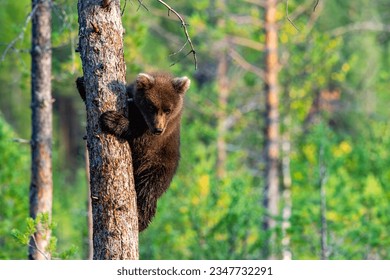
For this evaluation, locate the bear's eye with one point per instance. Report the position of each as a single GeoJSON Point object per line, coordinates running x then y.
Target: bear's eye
{"type": "Point", "coordinates": [167, 111]}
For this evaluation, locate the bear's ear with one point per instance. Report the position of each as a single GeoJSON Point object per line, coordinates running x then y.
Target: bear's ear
{"type": "Point", "coordinates": [144, 81]}
{"type": "Point", "coordinates": [181, 85]}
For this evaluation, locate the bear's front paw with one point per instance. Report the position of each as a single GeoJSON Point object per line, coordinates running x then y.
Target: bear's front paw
{"type": "Point", "coordinates": [114, 123]}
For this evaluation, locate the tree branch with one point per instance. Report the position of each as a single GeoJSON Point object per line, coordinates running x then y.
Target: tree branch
{"type": "Point", "coordinates": [124, 8]}
{"type": "Point", "coordinates": [20, 35]}
{"type": "Point", "coordinates": [260, 3]}
{"type": "Point", "coordinates": [21, 141]}
{"type": "Point", "coordinates": [299, 11]}
{"type": "Point", "coordinates": [184, 26]}
{"type": "Point", "coordinates": [315, 5]}
{"type": "Point", "coordinates": [361, 26]}
{"type": "Point", "coordinates": [245, 42]}
{"type": "Point", "coordinates": [245, 64]}
{"type": "Point", "coordinates": [288, 17]}
{"type": "Point", "coordinates": [142, 5]}
{"type": "Point", "coordinates": [36, 247]}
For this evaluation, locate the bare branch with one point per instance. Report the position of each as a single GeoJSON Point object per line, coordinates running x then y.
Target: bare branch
{"type": "Point", "coordinates": [21, 141]}
{"type": "Point", "coordinates": [244, 19]}
{"type": "Point", "coordinates": [245, 64]}
{"type": "Point", "coordinates": [315, 6]}
{"type": "Point", "coordinates": [180, 50]}
{"type": "Point", "coordinates": [361, 26]}
{"type": "Point", "coordinates": [260, 3]}
{"type": "Point", "coordinates": [36, 247]}
{"type": "Point", "coordinates": [124, 8]}
{"type": "Point", "coordinates": [314, 17]}
{"type": "Point", "coordinates": [245, 42]}
{"type": "Point", "coordinates": [288, 17]}
{"type": "Point", "coordinates": [20, 35]}
{"type": "Point", "coordinates": [142, 5]}
{"type": "Point", "coordinates": [184, 26]}
{"type": "Point", "coordinates": [300, 10]}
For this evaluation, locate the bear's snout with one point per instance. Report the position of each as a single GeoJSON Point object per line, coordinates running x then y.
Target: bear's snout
{"type": "Point", "coordinates": [158, 131]}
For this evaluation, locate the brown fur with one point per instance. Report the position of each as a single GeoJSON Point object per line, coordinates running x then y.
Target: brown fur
{"type": "Point", "coordinates": [152, 128]}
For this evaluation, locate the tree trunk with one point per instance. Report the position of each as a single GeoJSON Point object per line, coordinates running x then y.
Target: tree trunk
{"type": "Point", "coordinates": [223, 93]}
{"type": "Point", "coordinates": [114, 210]}
{"type": "Point", "coordinates": [41, 188]}
{"type": "Point", "coordinates": [324, 224]}
{"type": "Point", "coordinates": [271, 192]}
{"type": "Point", "coordinates": [287, 198]}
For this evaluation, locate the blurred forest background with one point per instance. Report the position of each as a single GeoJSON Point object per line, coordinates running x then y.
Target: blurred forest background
{"type": "Point", "coordinates": [334, 70]}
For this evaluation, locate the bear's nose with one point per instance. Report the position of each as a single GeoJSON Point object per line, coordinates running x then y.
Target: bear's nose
{"type": "Point", "coordinates": [158, 131]}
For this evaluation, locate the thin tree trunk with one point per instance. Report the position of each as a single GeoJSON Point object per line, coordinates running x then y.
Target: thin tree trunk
{"type": "Point", "coordinates": [324, 224]}
{"type": "Point", "coordinates": [223, 93]}
{"type": "Point", "coordinates": [114, 210]}
{"type": "Point", "coordinates": [41, 188]}
{"type": "Point", "coordinates": [287, 199]}
{"type": "Point", "coordinates": [271, 192]}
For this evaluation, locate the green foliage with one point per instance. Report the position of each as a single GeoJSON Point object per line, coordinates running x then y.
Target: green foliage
{"type": "Point", "coordinates": [42, 224]}
{"type": "Point", "coordinates": [355, 194]}
{"type": "Point", "coordinates": [70, 213]}
{"type": "Point", "coordinates": [15, 67]}
{"type": "Point", "coordinates": [14, 184]}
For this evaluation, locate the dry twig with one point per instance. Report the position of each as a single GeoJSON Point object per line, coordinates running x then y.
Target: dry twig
{"type": "Point", "coordinates": [315, 5]}
{"type": "Point", "coordinates": [124, 8]}
{"type": "Point", "coordinates": [142, 5]}
{"type": "Point", "coordinates": [184, 26]}
{"type": "Point", "coordinates": [360, 26]}
{"type": "Point", "coordinates": [288, 17]}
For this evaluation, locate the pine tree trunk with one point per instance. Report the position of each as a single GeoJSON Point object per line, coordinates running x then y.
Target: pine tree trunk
{"type": "Point", "coordinates": [324, 224]}
{"type": "Point", "coordinates": [287, 195]}
{"type": "Point", "coordinates": [223, 93]}
{"type": "Point", "coordinates": [41, 188]}
{"type": "Point", "coordinates": [114, 210]}
{"type": "Point", "coordinates": [271, 193]}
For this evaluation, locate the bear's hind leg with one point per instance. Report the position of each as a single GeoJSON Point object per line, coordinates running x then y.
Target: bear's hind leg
{"type": "Point", "coordinates": [146, 211]}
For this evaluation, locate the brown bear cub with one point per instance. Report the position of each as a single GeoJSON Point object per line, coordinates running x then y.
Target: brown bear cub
{"type": "Point", "coordinates": [152, 128]}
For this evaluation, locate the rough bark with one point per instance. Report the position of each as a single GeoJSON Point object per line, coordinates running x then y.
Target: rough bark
{"type": "Point", "coordinates": [41, 188]}
{"type": "Point", "coordinates": [89, 209]}
{"type": "Point", "coordinates": [115, 222]}
{"type": "Point", "coordinates": [271, 192]}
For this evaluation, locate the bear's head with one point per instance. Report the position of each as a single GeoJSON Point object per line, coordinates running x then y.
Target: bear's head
{"type": "Point", "coordinates": [159, 97]}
